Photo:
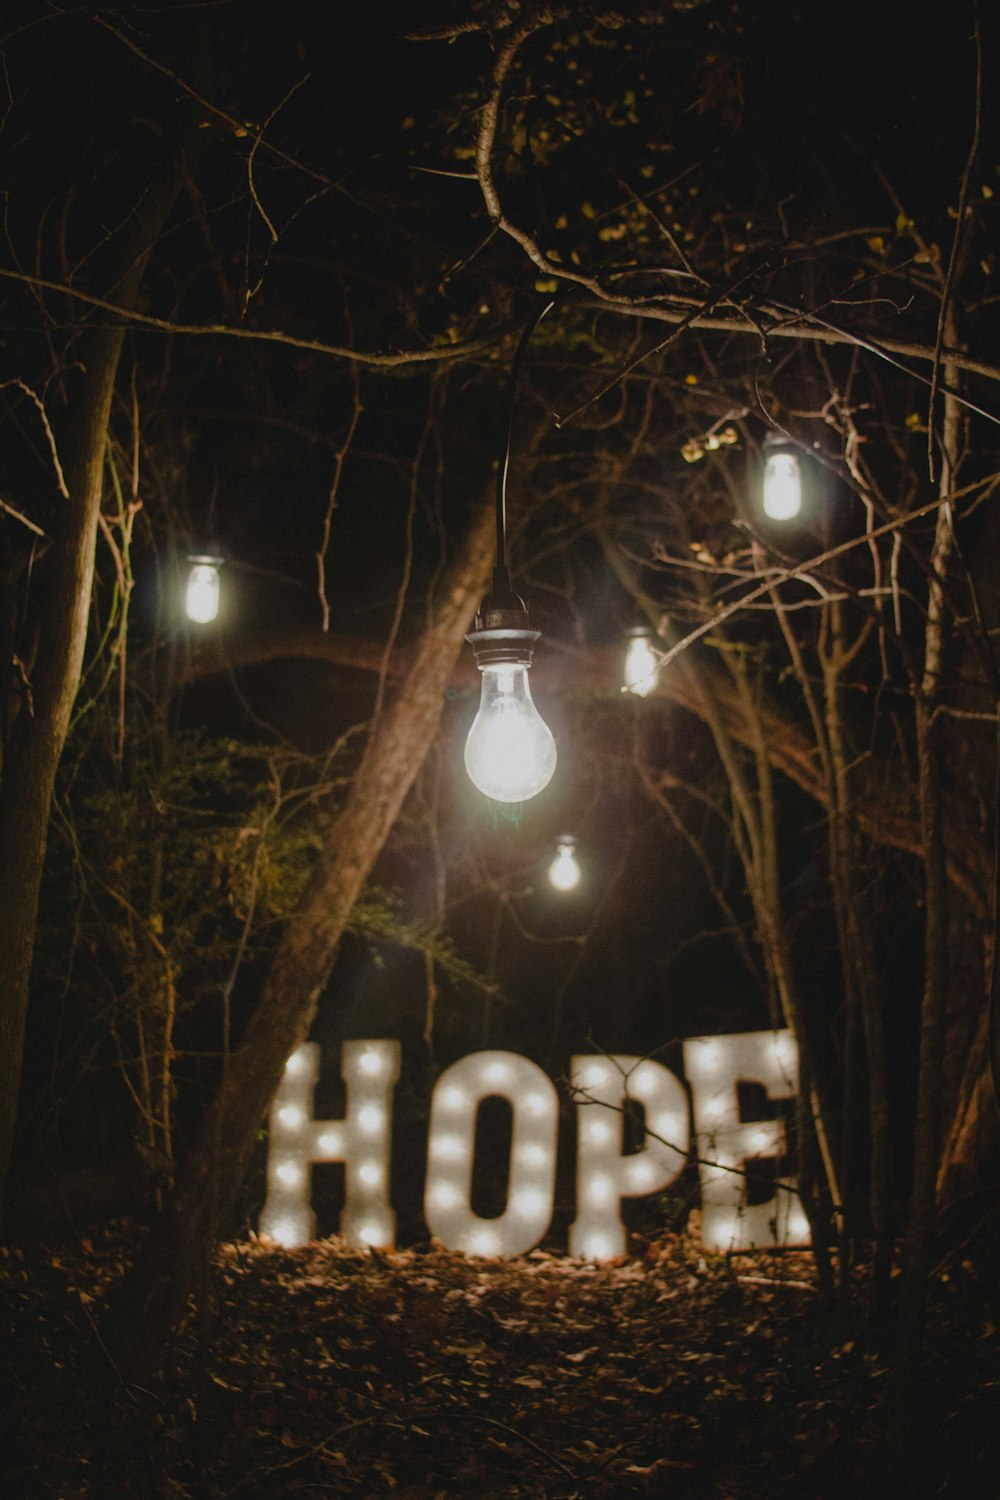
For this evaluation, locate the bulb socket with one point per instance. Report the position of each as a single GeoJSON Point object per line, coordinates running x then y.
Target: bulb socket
{"type": "Point", "coordinates": [496, 643]}
{"type": "Point", "coordinates": [502, 631]}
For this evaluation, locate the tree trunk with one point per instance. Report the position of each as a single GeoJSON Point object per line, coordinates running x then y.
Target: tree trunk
{"type": "Point", "coordinates": [153, 1295]}
{"type": "Point", "coordinates": [972, 1137]}
{"type": "Point", "coordinates": [37, 737]}
{"type": "Point", "coordinates": [860, 970]}
{"type": "Point", "coordinates": [930, 1088]}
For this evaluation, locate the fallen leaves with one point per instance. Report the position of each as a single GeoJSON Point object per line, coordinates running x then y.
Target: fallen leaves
{"type": "Point", "coordinates": [325, 1371]}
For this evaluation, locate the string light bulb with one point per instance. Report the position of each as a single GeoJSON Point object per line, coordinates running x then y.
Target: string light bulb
{"type": "Point", "coordinates": [201, 597]}
{"type": "Point", "coordinates": [510, 754]}
{"type": "Point", "coordinates": [564, 871]}
{"type": "Point", "coordinates": [782, 487]}
{"type": "Point", "coordinates": [642, 662]}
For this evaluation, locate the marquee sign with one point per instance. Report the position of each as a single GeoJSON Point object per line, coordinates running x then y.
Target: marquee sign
{"type": "Point", "coordinates": [602, 1086]}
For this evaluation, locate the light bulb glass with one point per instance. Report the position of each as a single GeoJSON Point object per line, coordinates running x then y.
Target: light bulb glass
{"type": "Point", "coordinates": [641, 663]}
{"type": "Point", "coordinates": [201, 602]}
{"type": "Point", "coordinates": [564, 871]}
{"type": "Point", "coordinates": [782, 486]}
{"type": "Point", "coordinates": [510, 754]}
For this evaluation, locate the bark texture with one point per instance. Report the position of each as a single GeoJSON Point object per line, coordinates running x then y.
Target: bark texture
{"type": "Point", "coordinates": [37, 737]}
{"type": "Point", "coordinates": [153, 1295]}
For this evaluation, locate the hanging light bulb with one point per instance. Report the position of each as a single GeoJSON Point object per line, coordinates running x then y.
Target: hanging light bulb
{"type": "Point", "coordinates": [641, 662]}
{"type": "Point", "coordinates": [564, 871]}
{"type": "Point", "coordinates": [510, 754]}
{"type": "Point", "coordinates": [201, 598]}
{"type": "Point", "coordinates": [782, 490]}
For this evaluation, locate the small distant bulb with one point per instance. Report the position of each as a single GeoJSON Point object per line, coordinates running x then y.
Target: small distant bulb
{"type": "Point", "coordinates": [535, 1104]}
{"type": "Point", "coordinates": [289, 1173]}
{"type": "Point", "coordinates": [484, 1242]}
{"type": "Point", "coordinates": [291, 1115]}
{"type": "Point", "coordinates": [564, 871]}
{"type": "Point", "coordinates": [532, 1155]}
{"type": "Point", "coordinates": [798, 1224]}
{"type": "Point", "coordinates": [782, 497]}
{"type": "Point", "coordinates": [599, 1189]}
{"type": "Point", "coordinates": [370, 1117]}
{"type": "Point", "coordinates": [641, 663]}
{"type": "Point", "coordinates": [288, 1234]}
{"type": "Point", "coordinates": [497, 1072]}
{"type": "Point", "coordinates": [643, 1083]}
{"type": "Point", "coordinates": [529, 1201]}
{"type": "Point", "coordinates": [726, 1230]}
{"type": "Point", "coordinates": [370, 1173]}
{"type": "Point", "coordinates": [201, 599]}
{"type": "Point", "coordinates": [331, 1141]}
{"type": "Point", "coordinates": [599, 1247]}
{"type": "Point", "coordinates": [370, 1063]}
{"type": "Point", "coordinates": [446, 1147]}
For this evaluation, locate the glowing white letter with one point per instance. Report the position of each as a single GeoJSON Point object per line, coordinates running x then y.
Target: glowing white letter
{"type": "Point", "coordinates": [457, 1096]}
{"type": "Point", "coordinates": [714, 1065]}
{"type": "Point", "coordinates": [604, 1176]}
{"type": "Point", "coordinates": [361, 1140]}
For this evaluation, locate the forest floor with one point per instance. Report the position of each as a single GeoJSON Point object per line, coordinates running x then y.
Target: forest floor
{"type": "Point", "coordinates": [427, 1376]}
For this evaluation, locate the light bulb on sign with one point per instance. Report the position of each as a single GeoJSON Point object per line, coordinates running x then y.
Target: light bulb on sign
{"type": "Point", "coordinates": [564, 871]}
{"type": "Point", "coordinates": [510, 754]}
{"type": "Point", "coordinates": [782, 489]}
{"type": "Point", "coordinates": [641, 662]}
{"type": "Point", "coordinates": [201, 598]}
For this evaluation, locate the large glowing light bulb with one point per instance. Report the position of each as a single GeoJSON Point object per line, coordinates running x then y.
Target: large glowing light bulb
{"type": "Point", "coordinates": [564, 871]}
{"type": "Point", "coordinates": [782, 497]}
{"type": "Point", "coordinates": [510, 754]}
{"type": "Point", "coordinates": [201, 600]}
{"type": "Point", "coordinates": [641, 663]}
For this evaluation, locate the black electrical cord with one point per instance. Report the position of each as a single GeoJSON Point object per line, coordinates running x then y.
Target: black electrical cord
{"type": "Point", "coordinates": [993, 999]}
{"type": "Point", "coordinates": [501, 578]}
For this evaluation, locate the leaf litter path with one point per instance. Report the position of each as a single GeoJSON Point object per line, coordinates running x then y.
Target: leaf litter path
{"type": "Point", "coordinates": [427, 1376]}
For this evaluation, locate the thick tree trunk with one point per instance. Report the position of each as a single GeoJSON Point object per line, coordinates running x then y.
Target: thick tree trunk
{"type": "Point", "coordinates": [36, 742]}
{"type": "Point", "coordinates": [153, 1295]}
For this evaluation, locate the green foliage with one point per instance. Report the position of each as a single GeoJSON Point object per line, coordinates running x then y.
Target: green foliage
{"type": "Point", "coordinates": [180, 853]}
